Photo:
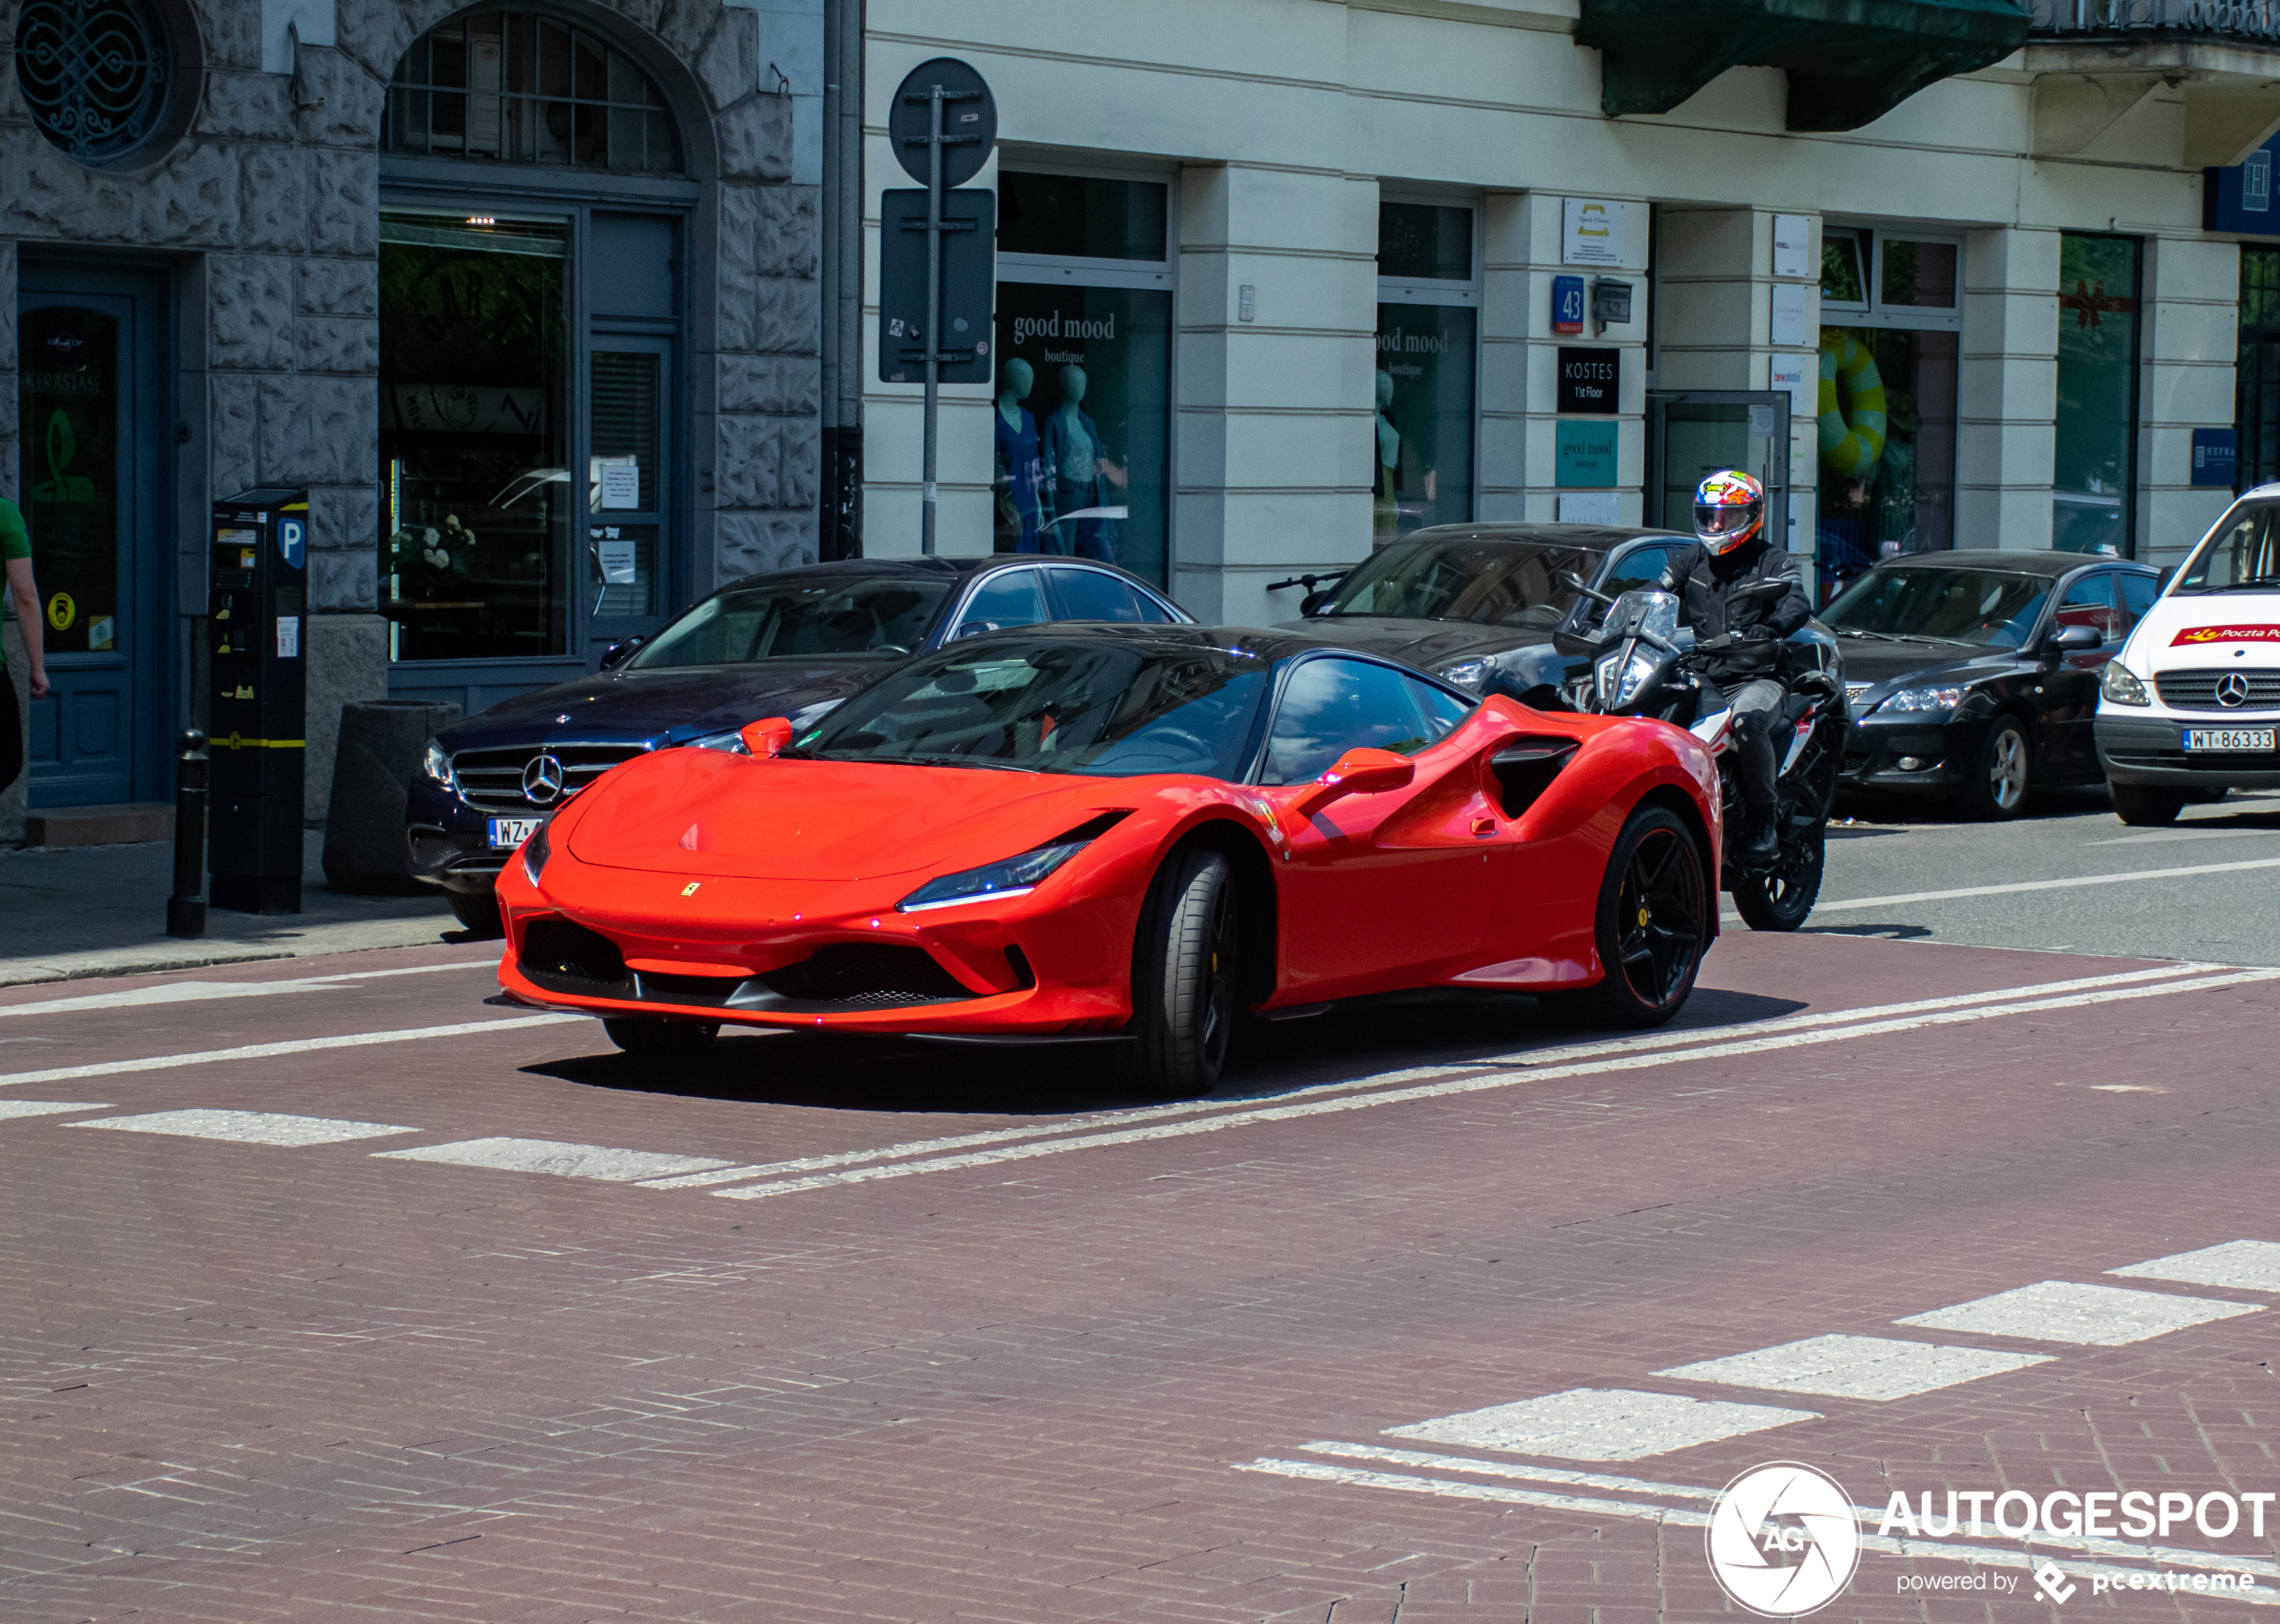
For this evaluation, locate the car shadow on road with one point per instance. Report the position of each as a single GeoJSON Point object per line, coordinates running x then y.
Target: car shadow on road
{"type": "Point", "coordinates": [1407, 1032]}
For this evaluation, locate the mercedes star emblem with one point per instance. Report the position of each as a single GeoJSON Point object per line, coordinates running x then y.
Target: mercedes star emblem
{"type": "Point", "coordinates": [542, 780]}
{"type": "Point", "coordinates": [2232, 689]}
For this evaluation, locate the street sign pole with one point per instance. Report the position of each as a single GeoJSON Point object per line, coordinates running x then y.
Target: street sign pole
{"type": "Point", "coordinates": [933, 310]}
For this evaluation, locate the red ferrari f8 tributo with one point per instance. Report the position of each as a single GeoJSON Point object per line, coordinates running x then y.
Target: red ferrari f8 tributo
{"type": "Point", "coordinates": [1134, 833]}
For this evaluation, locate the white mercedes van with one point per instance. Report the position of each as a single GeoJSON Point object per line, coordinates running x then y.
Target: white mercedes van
{"type": "Point", "coordinates": [2192, 702]}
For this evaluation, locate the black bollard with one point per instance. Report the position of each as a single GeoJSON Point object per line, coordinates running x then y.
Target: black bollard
{"type": "Point", "coordinates": [185, 909]}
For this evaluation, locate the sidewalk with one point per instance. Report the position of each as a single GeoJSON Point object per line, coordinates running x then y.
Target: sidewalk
{"type": "Point", "coordinates": [101, 910]}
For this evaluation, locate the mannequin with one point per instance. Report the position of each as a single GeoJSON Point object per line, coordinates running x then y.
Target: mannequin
{"type": "Point", "coordinates": [1021, 467]}
{"type": "Point", "coordinates": [1385, 516]}
{"type": "Point", "coordinates": [1081, 472]}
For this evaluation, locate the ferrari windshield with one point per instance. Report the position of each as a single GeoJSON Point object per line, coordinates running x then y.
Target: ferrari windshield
{"type": "Point", "coordinates": [1483, 579]}
{"type": "Point", "coordinates": [1112, 709]}
{"type": "Point", "coordinates": [1980, 606]}
{"type": "Point", "coordinates": [842, 616]}
{"type": "Point", "coordinates": [2243, 556]}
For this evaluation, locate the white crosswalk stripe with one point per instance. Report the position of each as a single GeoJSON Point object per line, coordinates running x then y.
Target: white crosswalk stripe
{"type": "Point", "coordinates": [2235, 1266]}
{"type": "Point", "coordinates": [45, 1108]}
{"type": "Point", "coordinates": [555, 1156]}
{"type": "Point", "coordinates": [248, 1127]}
{"type": "Point", "coordinates": [1600, 1424]}
{"type": "Point", "coordinates": [1880, 1368]}
{"type": "Point", "coordinates": [2091, 1316]}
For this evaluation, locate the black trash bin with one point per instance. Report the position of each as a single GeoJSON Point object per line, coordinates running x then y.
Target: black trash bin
{"type": "Point", "coordinates": [381, 744]}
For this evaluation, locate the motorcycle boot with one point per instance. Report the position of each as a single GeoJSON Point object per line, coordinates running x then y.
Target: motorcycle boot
{"type": "Point", "coordinates": [1760, 843]}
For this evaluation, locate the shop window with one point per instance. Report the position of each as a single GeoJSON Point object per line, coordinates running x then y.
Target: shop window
{"type": "Point", "coordinates": [1083, 421]}
{"type": "Point", "coordinates": [2090, 499]}
{"type": "Point", "coordinates": [478, 502]}
{"type": "Point", "coordinates": [515, 86]}
{"type": "Point", "coordinates": [1428, 332]}
{"type": "Point", "coordinates": [1885, 411]}
{"type": "Point", "coordinates": [2257, 408]}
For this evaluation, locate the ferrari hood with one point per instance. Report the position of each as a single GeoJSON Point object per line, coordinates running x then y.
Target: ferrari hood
{"type": "Point", "coordinates": [705, 813]}
{"type": "Point", "coordinates": [2198, 628]}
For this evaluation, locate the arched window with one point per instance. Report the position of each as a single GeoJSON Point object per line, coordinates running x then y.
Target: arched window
{"type": "Point", "coordinates": [93, 72]}
{"type": "Point", "coordinates": [515, 87]}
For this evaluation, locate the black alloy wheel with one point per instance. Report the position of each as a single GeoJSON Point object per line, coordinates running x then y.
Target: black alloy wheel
{"type": "Point", "coordinates": [655, 1035]}
{"type": "Point", "coordinates": [1653, 913]}
{"type": "Point", "coordinates": [2146, 803]}
{"type": "Point", "coordinates": [1185, 963]}
{"type": "Point", "coordinates": [2002, 775]}
{"type": "Point", "coordinates": [478, 912]}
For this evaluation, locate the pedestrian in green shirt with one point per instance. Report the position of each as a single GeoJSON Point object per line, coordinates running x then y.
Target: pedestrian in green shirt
{"type": "Point", "coordinates": [15, 553]}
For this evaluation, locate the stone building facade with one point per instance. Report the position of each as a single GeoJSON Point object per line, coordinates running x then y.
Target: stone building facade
{"type": "Point", "coordinates": [248, 222]}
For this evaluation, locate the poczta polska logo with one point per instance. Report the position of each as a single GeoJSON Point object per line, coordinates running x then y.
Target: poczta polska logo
{"type": "Point", "coordinates": [1782, 1539]}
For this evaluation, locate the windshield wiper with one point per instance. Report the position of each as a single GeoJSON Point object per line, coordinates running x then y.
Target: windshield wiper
{"type": "Point", "coordinates": [1846, 631]}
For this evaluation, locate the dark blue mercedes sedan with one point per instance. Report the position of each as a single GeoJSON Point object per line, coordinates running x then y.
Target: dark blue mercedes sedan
{"type": "Point", "coordinates": [794, 644]}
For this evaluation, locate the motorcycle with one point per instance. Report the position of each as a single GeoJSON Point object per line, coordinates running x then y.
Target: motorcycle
{"type": "Point", "coordinates": [1638, 668]}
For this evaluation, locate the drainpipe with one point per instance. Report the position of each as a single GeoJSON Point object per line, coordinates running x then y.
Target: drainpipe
{"type": "Point", "coordinates": [840, 530]}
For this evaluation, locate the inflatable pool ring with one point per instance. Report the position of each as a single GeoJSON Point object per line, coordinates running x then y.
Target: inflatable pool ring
{"type": "Point", "coordinates": [1852, 435]}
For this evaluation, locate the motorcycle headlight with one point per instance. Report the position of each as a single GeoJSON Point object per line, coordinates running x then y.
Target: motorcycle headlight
{"type": "Point", "coordinates": [535, 852]}
{"type": "Point", "coordinates": [2120, 685]}
{"type": "Point", "coordinates": [1923, 699]}
{"type": "Point", "coordinates": [436, 763]}
{"type": "Point", "coordinates": [1014, 877]}
{"type": "Point", "coordinates": [732, 742]}
{"type": "Point", "coordinates": [1619, 684]}
{"type": "Point", "coordinates": [1471, 675]}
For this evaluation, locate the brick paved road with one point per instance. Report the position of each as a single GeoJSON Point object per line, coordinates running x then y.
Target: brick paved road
{"type": "Point", "coordinates": [807, 1332]}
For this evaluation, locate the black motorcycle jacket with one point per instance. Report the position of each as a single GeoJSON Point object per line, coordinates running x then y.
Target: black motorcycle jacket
{"type": "Point", "coordinates": [1707, 582]}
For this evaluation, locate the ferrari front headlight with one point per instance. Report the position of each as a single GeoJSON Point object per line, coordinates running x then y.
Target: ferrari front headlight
{"type": "Point", "coordinates": [1014, 877]}
{"type": "Point", "coordinates": [1923, 699]}
{"type": "Point", "coordinates": [535, 852]}
{"type": "Point", "coordinates": [2120, 684]}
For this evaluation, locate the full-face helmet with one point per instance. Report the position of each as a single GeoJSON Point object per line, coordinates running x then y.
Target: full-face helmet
{"type": "Point", "coordinates": [1729, 509]}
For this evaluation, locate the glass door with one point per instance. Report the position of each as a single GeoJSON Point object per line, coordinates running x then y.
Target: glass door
{"type": "Point", "coordinates": [1693, 434]}
{"type": "Point", "coordinates": [86, 398]}
{"type": "Point", "coordinates": [627, 496]}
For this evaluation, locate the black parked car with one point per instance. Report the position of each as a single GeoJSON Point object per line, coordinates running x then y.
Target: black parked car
{"type": "Point", "coordinates": [1975, 675]}
{"type": "Point", "coordinates": [793, 643]}
{"type": "Point", "coordinates": [1482, 606]}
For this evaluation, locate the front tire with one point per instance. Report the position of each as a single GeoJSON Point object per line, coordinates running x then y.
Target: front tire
{"type": "Point", "coordinates": [654, 1036]}
{"type": "Point", "coordinates": [2002, 773]}
{"type": "Point", "coordinates": [2146, 804]}
{"type": "Point", "coordinates": [1781, 897]}
{"type": "Point", "coordinates": [1650, 927]}
{"type": "Point", "coordinates": [1185, 964]}
{"type": "Point", "coordinates": [478, 912]}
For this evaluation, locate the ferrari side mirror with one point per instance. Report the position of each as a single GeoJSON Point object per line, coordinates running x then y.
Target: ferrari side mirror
{"type": "Point", "coordinates": [1358, 772]}
{"type": "Point", "coordinates": [767, 735]}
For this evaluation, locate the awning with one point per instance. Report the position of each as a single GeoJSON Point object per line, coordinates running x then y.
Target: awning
{"type": "Point", "coordinates": [1849, 61]}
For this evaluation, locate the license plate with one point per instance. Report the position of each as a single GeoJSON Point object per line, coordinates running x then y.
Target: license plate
{"type": "Point", "coordinates": [507, 833]}
{"type": "Point", "coordinates": [2230, 738]}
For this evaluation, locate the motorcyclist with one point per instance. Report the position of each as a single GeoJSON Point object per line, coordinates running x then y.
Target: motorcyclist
{"type": "Point", "coordinates": [1743, 634]}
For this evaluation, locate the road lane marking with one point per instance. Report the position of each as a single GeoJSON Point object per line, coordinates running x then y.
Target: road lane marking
{"type": "Point", "coordinates": [553, 1157]}
{"type": "Point", "coordinates": [1494, 1079]}
{"type": "Point", "coordinates": [1507, 1468]}
{"type": "Point", "coordinates": [1551, 1055]}
{"type": "Point", "coordinates": [2155, 837]}
{"type": "Point", "coordinates": [263, 1051]}
{"type": "Point", "coordinates": [46, 1108]}
{"type": "Point", "coordinates": [2089, 1316]}
{"type": "Point", "coordinates": [2027, 885]}
{"type": "Point", "coordinates": [1950, 1550]}
{"type": "Point", "coordinates": [248, 1126]}
{"type": "Point", "coordinates": [1600, 1423]}
{"type": "Point", "coordinates": [199, 992]}
{"type": "Point", "coordinates": [2235, 1266]}
{"type": "Point", "coordinates": [1880, 1368]}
